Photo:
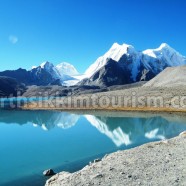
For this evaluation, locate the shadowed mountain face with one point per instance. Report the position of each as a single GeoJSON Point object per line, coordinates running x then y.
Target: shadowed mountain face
{"type": "Point", "coordinates": [108, 75]}
{"type": "Point", "coordinates": [45, 74]}
{"type": "Point", "coordinates": [121, 73]}
{"type": "Point", "coordinates": [10, 87]}
{"type": "Point", "coordinates": [121, 130]}
{"type": "Point", "coordinates": [37, 76]}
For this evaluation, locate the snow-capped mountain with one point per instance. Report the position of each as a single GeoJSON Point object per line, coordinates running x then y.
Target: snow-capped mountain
{"type": "Point", "coordinates": [165, 52]}
{"type": "Point", "coordinates": [46, 74]}
{"type": "Point", "coordinates": [50, 68]}
{"type": "Point", "coordinates": [62, 72]}
{"type": "Point", "coordinates": [122, 64]}
{"type": "Point", "coordinates": [67, 69]}
{"type": "Point", "coordinates": [169, 56]}
{"type": "Point", "coordinates": [131, 65]}
{"type": "Point", "coordinates": [115, 53]}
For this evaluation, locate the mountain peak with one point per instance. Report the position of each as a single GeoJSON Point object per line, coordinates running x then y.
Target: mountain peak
{"type": "Point", "coordinates": [125, 47]}
{"type": "Point", "coordinates": [115, 45]}
{"type": "Point", "coordinates": [46, 64]}
{"type": "Point", "coordinates": [117, 50]}
{"type": "Point", "coordinates": [115, 53]}
{"type": "Point", "coordinates": [165, 46]}
{"type": "Point", "coordinates": [163, 49]}
{"type": "Point", "coordinates": [50, 68]}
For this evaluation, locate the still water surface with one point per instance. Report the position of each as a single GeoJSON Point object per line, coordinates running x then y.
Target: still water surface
{"type": "Point", "coordinates": [33, 141]}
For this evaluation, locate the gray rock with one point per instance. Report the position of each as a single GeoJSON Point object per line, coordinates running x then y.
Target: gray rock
{"type": "Point", "coordinates": [97, 160]}
{"type": "Point", "coordinates": [49, 172]}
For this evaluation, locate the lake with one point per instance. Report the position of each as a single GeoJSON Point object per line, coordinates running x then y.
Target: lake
{"type": "Point", "coordinates": [33, 141]}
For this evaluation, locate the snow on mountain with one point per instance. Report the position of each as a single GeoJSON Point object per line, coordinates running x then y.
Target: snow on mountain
{"type": "Point", "coordinates": [50, 68]}
{"type": "Point", "coordinates": [166, 53]}
{"type": "Point", "coordinates": [74, 81]}
{"type": "Point", "coordinates": [136, 65]}
{"type": "Point", "coordinates": [61, 72]}
{"type": "Point", "coordinates": [67, 69]}
{"type": "Point", "coordinates": [33, 67]}
{"type": "Point", "coordinates": [69, 83]}
{"type": "Point", "coordinates": [115, 53]}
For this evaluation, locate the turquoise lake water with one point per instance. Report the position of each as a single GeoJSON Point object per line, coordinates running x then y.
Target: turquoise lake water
{"type": "Point", "coordinates": [33, 141]}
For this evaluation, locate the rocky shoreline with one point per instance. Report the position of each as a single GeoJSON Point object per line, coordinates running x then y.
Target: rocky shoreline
{"type": "Point", "coordinates": [157, 163]}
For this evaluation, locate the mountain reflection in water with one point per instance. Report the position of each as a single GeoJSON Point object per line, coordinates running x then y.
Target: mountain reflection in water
{"type": "Point", "coordinates": [121, 129]}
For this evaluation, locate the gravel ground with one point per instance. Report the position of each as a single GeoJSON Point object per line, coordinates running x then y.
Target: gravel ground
{"type": "Point", "coordinates": [136, 99]}
{"type": "Point", "coordinates": [159, 163]}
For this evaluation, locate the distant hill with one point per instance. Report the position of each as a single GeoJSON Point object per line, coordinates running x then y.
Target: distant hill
{"type": "Point", "coordinates": [170, 77]}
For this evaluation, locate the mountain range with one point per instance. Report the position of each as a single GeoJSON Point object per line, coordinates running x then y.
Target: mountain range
{"type": "Point", "coordinates": [45, 74]}
{"type": "Point", "coordinates": [121, 65]}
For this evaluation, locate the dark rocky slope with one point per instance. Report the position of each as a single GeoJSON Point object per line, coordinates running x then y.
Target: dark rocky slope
{"type": "Point", "coordinates": [10, 87]}
{"type": "Point", "coordinates": [115, 73]}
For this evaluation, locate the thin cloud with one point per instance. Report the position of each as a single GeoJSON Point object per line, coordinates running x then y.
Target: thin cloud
{"type": "Point", "coordinates": [13, 39]}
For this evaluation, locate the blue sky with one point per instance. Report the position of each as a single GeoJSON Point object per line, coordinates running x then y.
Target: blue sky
{"type": "Point", "coordinates": [79, 31]}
